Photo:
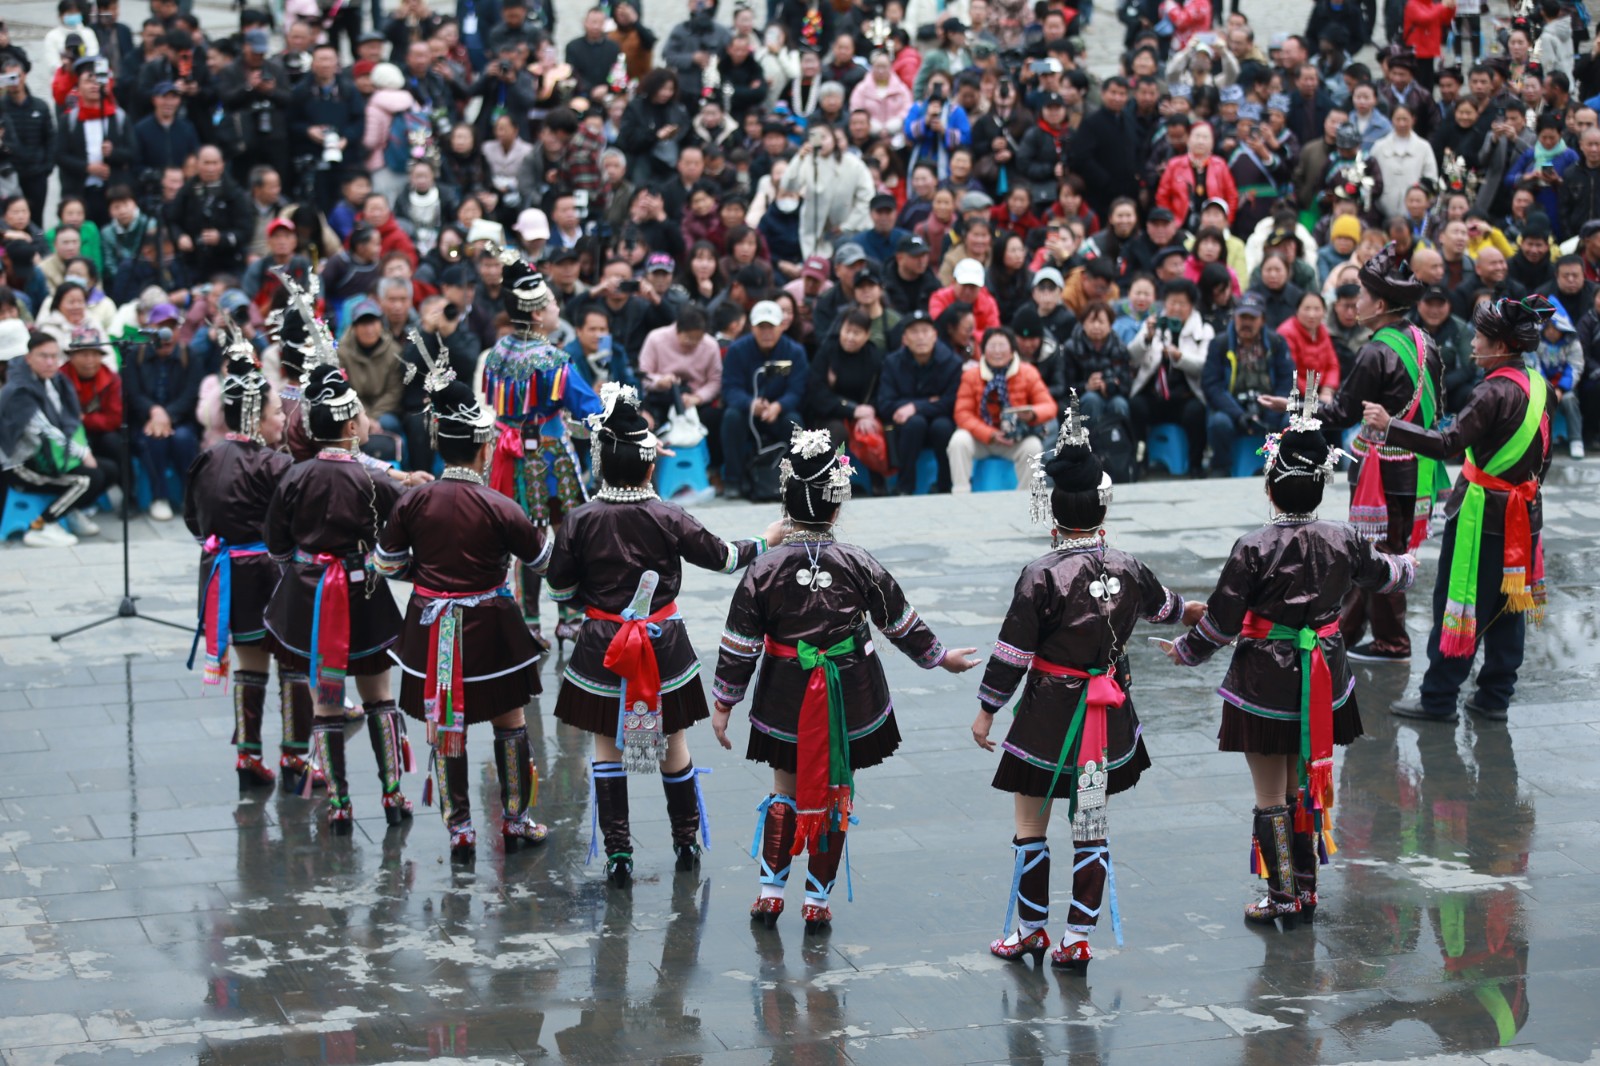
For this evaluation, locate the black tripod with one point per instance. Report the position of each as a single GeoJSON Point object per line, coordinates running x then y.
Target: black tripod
{"type": "Point", "coordinates": [127, 608]}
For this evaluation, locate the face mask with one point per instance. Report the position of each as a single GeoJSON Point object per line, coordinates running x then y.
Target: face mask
{"type": "Point", "coordinates": [788, 204]}
{"type": "Point", "coordinates": [72, 22]}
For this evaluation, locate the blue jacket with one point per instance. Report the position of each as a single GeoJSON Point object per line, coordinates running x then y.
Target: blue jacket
{"type": "Point", "coordinates": [1548, 197]}
{"type": "Point", "coordinates": [931, 386]}
{"type": "Point", "coordinates": [928, 146]}
{"type": "Point", "coordinates": [1217, 379]}
{"type": "Point", "coordinates": [621, 367]}
{"type": "Point", "coordinates": [156, 146]}
{"type": "Point", "coordinates": [878, 247]}
{"type": "Point", "coordinates": [739, 375]}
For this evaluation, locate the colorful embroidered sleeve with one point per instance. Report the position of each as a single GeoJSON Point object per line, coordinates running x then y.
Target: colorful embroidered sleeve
{"type": "Point", "coordinates": [743, 638]}
{"type": "Point", "coordinates": [1013, 652]}
{"type": "Point", "coordinates": [898, 620]}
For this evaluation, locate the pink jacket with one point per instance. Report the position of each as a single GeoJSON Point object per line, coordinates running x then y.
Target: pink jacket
{"type": "Point", "coordinates": [888, 105]}
{"type": "Point", "coordinates": [384, 105]}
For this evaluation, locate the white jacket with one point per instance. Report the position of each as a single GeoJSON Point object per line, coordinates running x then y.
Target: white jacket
{"type": "Point", "coordinates": [1403, 162]}
{"type": "Point", "coordinates": [839, 202]}
{"type": "Point", "coordinates": [1193, 343]}
{"type": "Point", "coordinates": [1554, 49]}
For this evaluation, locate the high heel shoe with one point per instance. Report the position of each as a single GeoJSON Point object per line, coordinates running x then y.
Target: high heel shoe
{"type": "Point", "coordinates": [1308, 905]}
{"type": "Point", "coordinates": [536, 631]}
{"type": "Point", "coordinates": [818, 917]}
{"type": "Point", "coordinates": [522, 831]}
{"type": "Point", "coordinates": [463, 843]}
{"type": "Point", "coordinates": [253, 773]}
{"type": "Point", "coordinates": [1074, 957]}
{"type": "Point", "coordinates": [688, 857]}
{"type": "Point", "coordinates": [1271, 908]}
{"type": "Point", "coordinates": [619, 869]}
{"type": "Point", "coordinates": [341, 818]}
{"type": "Point", "coordinates": [565, 631]}
{"type": "Point", "coordinates": [396, 808]}
{"type": "Point", "coordinates": [1017, 946]}
{"type": "Point", "coordinates": [766, 910]}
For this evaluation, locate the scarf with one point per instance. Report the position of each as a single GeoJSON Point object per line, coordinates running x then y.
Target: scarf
{"type": "Point", "coordinates": [824, 785]}
{"type": "Point", "coordinates": [1545, 157]}
{"type": "Point", "coordinates": [1523, 580]}
{"type": "Point", "coordinates": [1315, 810]}
{"type": "Point", "coordinates": [996, 390]}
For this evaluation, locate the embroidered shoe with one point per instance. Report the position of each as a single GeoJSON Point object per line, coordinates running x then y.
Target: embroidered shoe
{"type": "Point", "coordinates": [253, 773]}
{"type": "Point", "coordinates": [341, 819]}
{"type": "Point", "coordinates": [396, 808]}
{"type": "Point", "coordinates": [818, 917]}
{"type": "Point", "coordinates": [522, 830]}
{"type": "Point", "coordinates": [1073, 957]}
{"type": "Point", "coordinates": [1308, 905]}
{"type": "Point", "coordinates": [1017, 946]}
{"type": "Point", "coordinates": [463, 842]}
{"type": "Point", "coordinates": [1270, 908]}
{"type": "Point", "coordinates": [766, 910]}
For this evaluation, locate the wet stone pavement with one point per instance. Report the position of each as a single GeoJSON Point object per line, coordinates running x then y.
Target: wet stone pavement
{"type": "Point", "coordinates": [150, 914]}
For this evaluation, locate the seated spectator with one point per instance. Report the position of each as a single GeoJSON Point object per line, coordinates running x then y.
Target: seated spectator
{"type": "Point", "coordinates": [1098, 366]}
{"type": "Point", "coordinates": [125, 233]}
{"type": "Point", "coordinates": [882, 320]}
{"type": "Point", "coordinates": [70, 213]}
{"type": "Point", "coordinates": [1170, 353]}
{"type": "Point", "coordinates": [68, 319]}
{"type": "Point", "coordinates": [162, 391]}
{"type": "Point", "coordinates": [1279, 295]}
{"type": "Point", "coordinates": [1093, 282]}
{"type": "Point", "coordinates": [371, 360]}
{"type": "Point", "coordinates": [1343, 237]}
{"type": "Point", "coordinates": [843, 382]}
{"type": "Point", "coordinates": [1135, 307]}
{"type": "Point", "coordinates": [68, 245]}
{"type": "Point", "coordinates": [1242, 365]}
{"type": "Point", "coordinates": [1311, 345]}
{"type": "Point", "coordinates": [596, 356]}
{"type": "Point", "coordinates": [1002, 407]}
{"type": "Point", "coordinates": [681, 366]}
{"type": "Point", "coordinates": [101, 309]}
{"type": "Point", "coordinates": [353, 271]}
{"type": "Point", "coordinates": [100, 403]}
{"type": "Point", "coordinates": [1454, 338]}
{"type": "Point", "coordinates": [1560, 360]}
{"type": "Point", "coordinates": [43, 448]}
{"type": "Point", "coordinates": [261, 283]}
{"type": "Point", "coordinates": [771, 401]}
{"type": "Point", "coordinates": [968, 288]}
{"type": "Point", "coordinates": [917, 400]}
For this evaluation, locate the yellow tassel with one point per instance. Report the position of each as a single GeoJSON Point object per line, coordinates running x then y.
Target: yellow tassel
{"type": "Point", "coordinates": [533, 775]}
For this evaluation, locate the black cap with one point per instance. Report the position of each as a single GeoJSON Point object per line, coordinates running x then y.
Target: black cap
{"type": "Point", "coordinates": [1160, 214]}
{"type": "Point", "coordinates": [953, 25]}
{"type": "Point", "coordinates": [564, 254]}
{"type": "Point", "coordinates": [867, 275]}
{"type": "Point", "coordinates": [1435, 292]}
{"type": "Point", "coordinates": [883, 202]}
{"type": "Point", "coordinates": [911, 244]}
{"type": "Point", "coordinates": [1027, 323]}
{"type": "Point", "coordinates": [919, 315]}
{"type": "Point", "coordinates": [1168, 252]}
{"type": "Point", "coordinates": [457, 274]}
{"type": "Point", "coordinates": [1051, 100]}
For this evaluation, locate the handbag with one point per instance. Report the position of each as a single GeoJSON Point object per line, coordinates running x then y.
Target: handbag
{"type": "Point", "coordinates": [685, 430]}
{"type": "Point", "coordinates": [870, 446]}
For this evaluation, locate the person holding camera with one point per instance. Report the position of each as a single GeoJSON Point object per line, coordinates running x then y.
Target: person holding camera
{"type": "Point", "coordinates": [1170, 353]}
{"type": "Point", "coordinates": [95, 143]}
{"type": "Point", "coordinates": [764, 378]}
{"type": "Point", "coordinates": [1001, 407]}
{"type": "Point", "coordinates": [212, 218]}
{"type": "Point", "coordinates": [327, 118]}
{"type": "Point", "coordinates": [27, 134]}
{"type": "Point", "coordinates": [1242, 365]}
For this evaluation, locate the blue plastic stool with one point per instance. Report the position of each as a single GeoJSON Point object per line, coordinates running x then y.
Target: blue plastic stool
{"type": "Point", "coordinates": [142, 492]}
{"type": "Point", "coordinates": [1169, 446]}
{"type": "Point", "coordinates": [927, 471]}
{"type": "Point", "coordinates": [993, 475]}
{"type": "Point", "coordinates": [1558, 429]}
{"type": "Point", "coordinates": [687, 469]}
{"type": "Point", "coordinates": [22, 508]}
{"type": "Point", "coordinates": [1246, 463]}
{"type": "Point", "coordinates": [860, 476]}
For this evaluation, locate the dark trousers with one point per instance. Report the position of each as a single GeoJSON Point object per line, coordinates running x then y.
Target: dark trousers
{"type": "Point", "coordinates": [176, 452]}
{"type": "Point", "coordinates": [34, 190]}
{"type": "Point", "coordinates": [72, 491]}
{"type": "Point", "coordinates": [1148, 409]}
{"type": "Point", "coordinates": [738, 443]}
{"type": "Point", "coordinates": [1500, 635]}
{"type": "Point", "coordinates": [419, 448]}
{"type": "Point", "coordinates": [1385, 612]}
{"type": "Point", "coordinates": [1589, 404]}
{"type": "Point", "coordinates": [108, 452]}
{"type": "Point", "coordinates": [907, 440]}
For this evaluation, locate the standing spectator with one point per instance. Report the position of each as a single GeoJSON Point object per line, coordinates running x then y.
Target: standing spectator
{"type": "Point", "coordinates": [836, 190]}
{"type": "Point", "coordinates": [162, 386]}
{"type": "Point", "coordinates": [691, 45]}
{"type": "Point", "coordinates": [885, 99]}
{"type": "Point", "coordinates": [654, 127]}
{"type": "Point", "coordinates": [212, 218]}
{"type": "Point", "coordinates": [27, 135]}
{"type": "Point", "coordinates": [1244, 363]}
{"type": "Point", "coordinates": [594, 54]}
{"type": "Point", "coordinates": [164, 138]}
{"type": "Point", "coordinates": [1104, 150]}
{"type": "Point", "coordinates": [327, 120]}
{"type": "Point", "coordinates": [772, 401]}
{"type": "Point", "coordinates": [95, 145]}
{"type": "Point", "coordinates": [917, 400]}
{"type": "Point", "coordinates": [42, 446]}
{"type": "Point", "coordinates": [1404, 159]}
{"type": "Point", "coordinates": [1424, 28]}
{"type": "Point", "coordinates": [637, 42]}
{"type": "Point", "coordinates": [390, 99]}
{"type": "Point", "coordinates": [1191, 179]}
{"type": "Point", "coordinates": [1000, 405]}
{"type": "Point", "coordinates": [257, 92]}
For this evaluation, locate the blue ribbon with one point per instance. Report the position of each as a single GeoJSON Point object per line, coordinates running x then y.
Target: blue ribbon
{"type": "Point", "coordinates": [221, 572]}
{"type": "Point", "coordinates": [769, 876]}
{"type": "Point", "coordinates": [1103, 854]}
{"type": "Point", "coordinates": [1023, 865]}
{"type": "Point", "coordinates": [693, 773]}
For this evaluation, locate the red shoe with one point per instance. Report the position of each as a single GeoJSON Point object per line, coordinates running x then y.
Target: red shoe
{"type": "Point", "coordinates": [1308, 905]}
{"type": "Point", "coordinates": [341, 818]}
{"type": "Point", "coordinates": [818, 916]}
{"type": "Point", "coordinates": [767, 910]}
{"type": "Point", "coordinates": [1074, 956]}
{"type": "Point", "coordinates": [1016, 945]}
{"type": "Point", "coordinates": [523, 830]}
{"type": "Point", "coordinates": [396, 808]}
{"type": "Point", "coordinates": [253, 773]}
{"type": "Point", "coordinates": [463, 841]}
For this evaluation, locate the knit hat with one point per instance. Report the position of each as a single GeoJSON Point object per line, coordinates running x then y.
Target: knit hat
{"type": "Point", "coordinates": [1345, 226]}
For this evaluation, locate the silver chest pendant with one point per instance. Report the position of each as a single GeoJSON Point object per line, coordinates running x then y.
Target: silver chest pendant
{"type": "Point", "coordinates": [815, 578]}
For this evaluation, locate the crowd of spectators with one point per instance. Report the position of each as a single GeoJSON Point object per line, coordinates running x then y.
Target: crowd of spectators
{"type": "Point", "coordinates": [924, 236]}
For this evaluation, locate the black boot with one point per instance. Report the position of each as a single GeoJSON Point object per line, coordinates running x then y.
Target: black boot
{"type": "Point", "coordinates": [1274, 831]}
{"type": "Point", "coordinates": [611, 809]}
{"type": "Point", "coordinates": [1091, 863]}
{"type": "Point", "coordinates": [327, 754]}
{"type": "Point", "coordinates": [296, 710]}
{"type": "Point", "coordinates": [775, 829]}
{"type": "Point", "coordinates": [532, 586]}
{"type": "Point", "coordinates": [519, 779]}
{"type": "Point", "coordinates": [451, 782]}
{"type": "Point", "coordinates": [1303, 852]}
{"type": "Point", "coordinates": [683, 813]}
{"type": "Point", "coordinates": [249, 705]}
{"type": "Point", "coordinates": [386, 728]}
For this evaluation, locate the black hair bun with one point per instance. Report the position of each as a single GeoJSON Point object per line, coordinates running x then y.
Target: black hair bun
{"type": "Point", "coordinates": [239, 364]}
{"type": "Point", "coordinates": [325, 383]}
{"type": "Point", "coordinates": [1075, 469]}
{"type": "Point", "coordinates": [1515, 323]}
{"type": "Point", "coordinates": [1300, 450]}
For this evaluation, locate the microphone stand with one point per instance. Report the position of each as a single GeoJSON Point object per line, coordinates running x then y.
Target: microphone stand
{"type": "Point", "coordinates": [128, 606]}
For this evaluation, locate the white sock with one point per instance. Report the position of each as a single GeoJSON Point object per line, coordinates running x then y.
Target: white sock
{"type": "Point", "coordinates": [771, 891]}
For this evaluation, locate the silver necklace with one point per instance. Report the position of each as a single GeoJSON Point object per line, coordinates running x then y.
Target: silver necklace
{"type": "Point", "coordinates": [463, 473]}
{"type": "Point", "coordinates": [809, 536]}
{"type": "Point", "coordinates": [1287, 519]}
{"type": "Point", "coordinates": [613, 494]}
{"type": "Point", "coordinates": [815, 578]}
{"type": "Point", "coordinates": [1077, 544]}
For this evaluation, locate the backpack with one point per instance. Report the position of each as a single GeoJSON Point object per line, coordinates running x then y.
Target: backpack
{"type": "Point", "coordinates": [410, 137]}
{"type": "Point", "coordinates": [1111, 438]}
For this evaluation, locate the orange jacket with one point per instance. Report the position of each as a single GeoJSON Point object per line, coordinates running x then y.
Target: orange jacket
{"type": "Point", "coordinates": [1026, 389]}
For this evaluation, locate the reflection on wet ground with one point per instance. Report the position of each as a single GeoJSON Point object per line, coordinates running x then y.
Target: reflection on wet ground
{"type": "Point", "coordinates": [149, 915]}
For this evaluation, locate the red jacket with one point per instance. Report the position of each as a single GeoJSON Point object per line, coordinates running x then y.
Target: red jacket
{"type": "Point", "coordinates": [985, 313]}
{"type": "Point", "coordinates": [1001, 219]}
{"type": "Point", "coordinates": [1177, 182]}
{"type": "Point", "coordinates": [1188, 17]}
{"type": "Point", "coordinates": [1317, 355]}
{"type": "Point", "coordinates": [1025, 388]}
{"type": "Point", "coordinates": [395, 240]}
{"type": "Point", "coordinates": [1424, 26]}
{"type": "Point", "coordinates": [100, 398]}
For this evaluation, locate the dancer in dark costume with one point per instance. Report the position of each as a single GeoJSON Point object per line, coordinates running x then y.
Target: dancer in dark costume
{"type": "Point", "coordinates": [633, 679]}
{"type": "Point", "coordinates": [1289, 695]}
{"type": "Point", "coordinates": [821, 709]}
{"type": "Point", "coordinates": [466, 655]}
{"type": "Point", "coordinates": [231, 485]}
{"type": "Point", "coordinates": [1075, 735]}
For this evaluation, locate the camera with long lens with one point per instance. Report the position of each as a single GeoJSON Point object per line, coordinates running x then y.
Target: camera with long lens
{"type": "Point", "coordinates": [8, 81]}
{"type": "Point", "coordinates": [332, 154]}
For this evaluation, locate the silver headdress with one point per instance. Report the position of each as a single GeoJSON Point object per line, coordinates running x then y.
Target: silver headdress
{"type": "Point", "coordinates": [1302, 419]}
{"type": "Point", "coordinates": [459, 419]}
{"type": "Point", "coordinates": [834, 477]}
{"type": "Point", "coordinates": [601, 427]}
{"type": "Point", "coordinates": [523, 292]}
{"type": "Point", "coordinates": [321, 349]}
{"type": "Point", "coordinates": [243, 383]}
{"type": "Point", "coordinates": [1074, 431]}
